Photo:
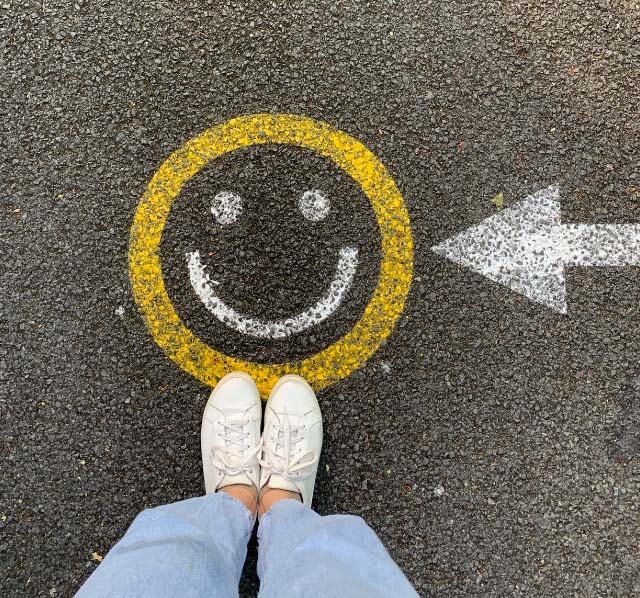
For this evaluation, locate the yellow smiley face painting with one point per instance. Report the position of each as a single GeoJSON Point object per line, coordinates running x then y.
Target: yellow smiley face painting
{"type": "Point", "coordinates": [330, 364]}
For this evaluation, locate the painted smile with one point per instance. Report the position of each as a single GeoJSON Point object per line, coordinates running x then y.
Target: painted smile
{"type": "Point", "coordinates": [342, 280]}
{"type": "Point", "coordinates": [314, 206]}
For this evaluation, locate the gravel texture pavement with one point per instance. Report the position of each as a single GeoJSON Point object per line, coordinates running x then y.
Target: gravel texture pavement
{"type": "Point", "coordinates": [491, 442]}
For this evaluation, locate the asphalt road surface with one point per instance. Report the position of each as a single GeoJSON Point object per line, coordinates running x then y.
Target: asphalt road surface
{"type": "Point", "coordinates": [491, 441]}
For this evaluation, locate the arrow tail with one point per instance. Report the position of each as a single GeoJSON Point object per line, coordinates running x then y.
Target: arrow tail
{"type": "Point", "coordinates": [598, 245]}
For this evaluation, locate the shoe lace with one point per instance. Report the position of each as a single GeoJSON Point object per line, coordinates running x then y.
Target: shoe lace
{"type": "Point", "coordinates": [282, 458]}
{"type": "Point", "coordinates": [234, 458]}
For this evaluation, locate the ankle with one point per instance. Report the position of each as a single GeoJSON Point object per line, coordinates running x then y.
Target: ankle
{"type": "Point", "coordinates": [247, 495]}
{"type": "Point", "coordinates": [270, 496]}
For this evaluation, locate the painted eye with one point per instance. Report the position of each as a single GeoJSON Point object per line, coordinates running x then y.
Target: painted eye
{"type": "Point", "coordinates": [314, 205]}
{"type": "Point", "coordinates": [226, 207]}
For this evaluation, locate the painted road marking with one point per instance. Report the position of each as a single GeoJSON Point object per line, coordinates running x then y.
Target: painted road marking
{"type": "Point", "coordinates": [334, 362]}
{"type": "Point", "coordinates": [330, 301]}
{"type": "Point", "coordinates": [314, 205]}
{"type": "Point", "coordinates": [527, 248]}
{"type": "Point", "coordinates": [226, 207]}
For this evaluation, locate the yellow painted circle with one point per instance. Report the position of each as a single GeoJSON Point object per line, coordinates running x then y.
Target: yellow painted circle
{"type": "Point", "coordinates": [336, 361]}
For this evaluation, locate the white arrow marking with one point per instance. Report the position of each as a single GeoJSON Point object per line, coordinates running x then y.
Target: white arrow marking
{"type": "Point", "coordinates": [526, 248]}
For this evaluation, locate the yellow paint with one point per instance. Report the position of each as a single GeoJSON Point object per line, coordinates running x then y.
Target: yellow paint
{"type": "Point", "coordinates": [332, 363]}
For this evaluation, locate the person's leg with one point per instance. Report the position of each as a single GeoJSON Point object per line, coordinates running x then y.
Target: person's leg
{"type": "Point", "coordinates": [193, 548]}
{"type": "Point", "coordinates": [304, 554]}
{"type": "Point", "coordinates": [300, 552]}
{"type": "Point", "coordinates": [197, 547]}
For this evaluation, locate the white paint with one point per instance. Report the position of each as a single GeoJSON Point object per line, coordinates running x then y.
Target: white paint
{"type": "Point", "coordinates": [439, 490]}
{"type": "Point", "coordinates": [314, 205]}
{"type": "Point", "coordinates": [120, 311]}
{"type": "Point", "coordinates": [226, 206]}
{"type": "Point", "coordinates": [526, 248]}
{"type": "Point", "coordinates": [345, 271]}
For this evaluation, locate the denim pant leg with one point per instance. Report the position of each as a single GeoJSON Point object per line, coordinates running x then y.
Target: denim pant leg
{"type": "Point", "coordinates": [193, 548]}
{"type": "Point", "coordinates": [304, 554]}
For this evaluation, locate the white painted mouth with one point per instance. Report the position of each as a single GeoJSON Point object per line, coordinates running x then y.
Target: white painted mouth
{"type": "Point", "coordinates": [342, 280]}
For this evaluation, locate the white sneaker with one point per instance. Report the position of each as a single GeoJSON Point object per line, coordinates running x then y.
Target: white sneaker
{"type": "Point", "coordinates": [292, 438]}
{"type": "Point", "coordinates": [230, 435]}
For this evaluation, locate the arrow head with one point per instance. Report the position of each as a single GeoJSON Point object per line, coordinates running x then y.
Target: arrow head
{"type": "Point", "coordinates": [515, 248]}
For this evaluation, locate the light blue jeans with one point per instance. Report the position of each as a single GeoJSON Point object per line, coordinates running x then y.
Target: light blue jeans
{"type": "Point", "coordinates": [197, 548]}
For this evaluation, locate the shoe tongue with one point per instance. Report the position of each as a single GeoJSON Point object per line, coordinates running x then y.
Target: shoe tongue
{"type": "Point", "coordinates": [241, 478]}
{"type": "Point", "coordinates": [277, 481]}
